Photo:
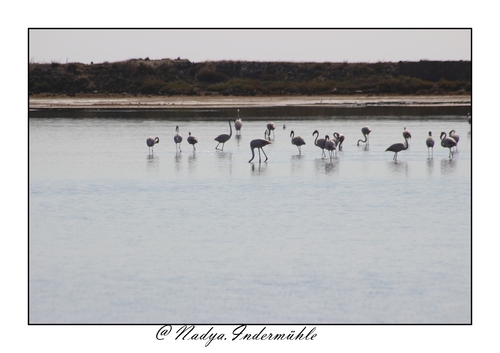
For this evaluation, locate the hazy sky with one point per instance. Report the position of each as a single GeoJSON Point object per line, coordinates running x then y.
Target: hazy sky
{"type": "Point", "coordinates": [319, 45]}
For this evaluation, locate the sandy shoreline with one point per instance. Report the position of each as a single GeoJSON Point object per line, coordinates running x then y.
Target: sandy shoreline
{"type": "Point", "coordinates": [192, 102]}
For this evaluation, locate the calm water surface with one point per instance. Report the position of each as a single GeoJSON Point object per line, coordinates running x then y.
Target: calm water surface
{"type": "Point", "coordinates": [118, 235]}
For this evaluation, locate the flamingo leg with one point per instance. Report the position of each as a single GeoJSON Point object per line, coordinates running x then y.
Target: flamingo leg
{"type": "Point", "coordinates": [264, 154]}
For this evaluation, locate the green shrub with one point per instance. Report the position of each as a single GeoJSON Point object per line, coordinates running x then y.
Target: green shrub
{"type": "Point", "coordinates": [177, 87]}
{"type": "Point", "coordinates": [209, 76]}
{"type": "Point", "coordinates": [151, 86]}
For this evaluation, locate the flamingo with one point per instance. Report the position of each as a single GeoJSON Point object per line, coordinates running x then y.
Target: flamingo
{"type": "Point", "coordinates": [319, 142]}
{"type": "Point", "coordinates": [238, 124]}
{"type": "Point", "coordinates": [339, 140]}
{"type": "Point", "coordinates": [223, 138]}
{"type": "Point", "coordinates": [150, 141]}
{"type": "Point", "coordinates": [365, 130]}
{"type": "Point", "coordinates": [177, 138]}
{"type": "Point", "coordinates": [270, 127]}
{"type": "Point", "coordinates": [430, 143]}
{"type": "Point", "coordinates": [297, 141]}
{"type": "Point", "coordinates": [258, 143]}
{"type": "Point", "coordinates": [397, 147]}
{"type": "Point", "coordinates": [447, 142]}
{"type": "Point", "coordinates": [192, 140]}
{"type": "Point", "coordinates": [330, 145]}
{"type": "Point", "coordinates": [455, 137]}
{"type": "Point", "coordinates": [406, 134]}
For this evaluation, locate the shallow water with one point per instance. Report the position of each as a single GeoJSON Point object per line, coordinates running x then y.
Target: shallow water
{"type": "Point", "coordinates": [119, 235]}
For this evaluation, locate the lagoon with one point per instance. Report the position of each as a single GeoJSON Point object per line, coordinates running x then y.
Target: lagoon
{"type": "Point", "coordinates": [120, 235]}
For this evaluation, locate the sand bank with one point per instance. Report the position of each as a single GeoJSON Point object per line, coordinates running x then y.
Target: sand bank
{"type": "Point", "coordinates": [193, 102]}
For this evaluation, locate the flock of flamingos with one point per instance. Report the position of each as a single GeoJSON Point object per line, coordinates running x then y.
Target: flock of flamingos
{"type": "Point", "coordinates": [330, 144]}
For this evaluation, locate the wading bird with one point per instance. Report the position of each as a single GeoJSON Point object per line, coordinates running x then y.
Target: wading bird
{"type": "Point", "coordinates": [339, 140]}
{"type": "Point", "coordinates": [192, 140]}
{"type": "Point", "coordinates": [406, 134]}
{"type": "Point", "coordinates": [177, 138]}
{"type": "Point", "coordinates": [271, 127]}
{"type": "Point", "coordinates": [330, 146]}
{"type": "Point", "coordinates": [223, 138]}
{"type": "Point", "coordinates": [150, 141]}
{"type": "Point", "coordinates": [297, 141]}
{"type": "Point", "coordinates": [430, 143]}
{"type": "Point", "coordinates": [258, 143]}
{"type": "Point", "coordinates": [238, 124]}
{"type": "Point", "coordinates": [397, 147]}
{"type": "Point", "coordinates": [319, 142]}
{"type": "Point", "coordinates": [455, 136]}
{"type": "Point", "coordinates": [365, 130]}
{"type": "Point", "coordinates": [447, 142]}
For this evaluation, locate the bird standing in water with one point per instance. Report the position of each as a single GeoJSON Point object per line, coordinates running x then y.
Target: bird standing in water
{"type": "Point", "coordinates": [319, 142]}
{"type": "Point", "coordinates": [177, 138]}
{"type": "Point", "coordinates": [397, 147]}
{"type": "Point", "coordinates": [330, 146]}
{"type": "Point", "coordinates": [297, 141]}
{"type": "Point", "coordinates": [223, 138]}
{"type": "Point", "coordinates": [365, 130]}
{"type": "Point", "coordinates": [271, 127]}
{"type": "Point", "coordinates": [447, 142]}
{"type": "Point", "coordinates": [192, 140]}
{"type": "Point", "coordinates": [430, 143]}
{"type": "Point", "coordinates": [406, 134]}
{"type": "Point", "coordinates": [454, 136]}
{"type": "Point", "coordinates": [258, 143]}
{"type": "Point", "coordinates": [151, 141]}
{"type": "Point", "coordinates": [339, 140]}
{"type": "Point", "coordinates": [238, 124]}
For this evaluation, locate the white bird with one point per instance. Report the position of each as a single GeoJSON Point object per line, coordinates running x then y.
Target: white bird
{"type": "Point", "coordinates": [238, 124]}
{"type": "Point", "coordinates": [454, 136]}
{"type": "Point", "coordinates": [339, 140]}
{"type": "Point", "coordinates": [177, 138]}
{"type": "Point", "coordinates": [270, 127]}
{"type": "Point", "coordinates": [430, 143]}
{"type": "Point", "coordinates": [365, 130]}
{"type": "Point", "coordinates": [447, 142]}
{"type": "Point", "coordinates": [150, 141]}
{"type": "Point", "coordinates": [297, 141]}
{"type": "Point", "coordinates": [223, 138]}
{"type": "Point", "coordinates": [397, 147]}
{"type": "Point", "coordinates": [319, 142]}
{"type": "Point", "coordinates": [330, 146]}
{"type": "Point", "coordinates": [258, 143]}
{"type": "Point", "coordinates": [192, 140]}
